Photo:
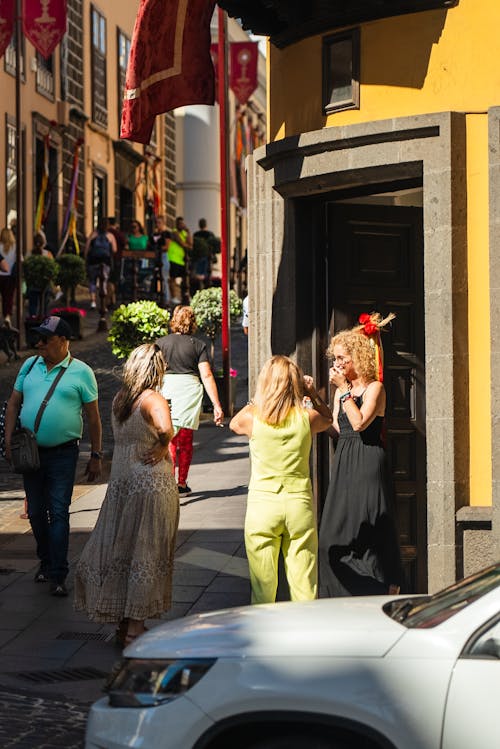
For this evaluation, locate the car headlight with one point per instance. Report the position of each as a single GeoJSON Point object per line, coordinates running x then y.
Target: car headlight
{"type": "Point", "coordinates": [140, 682]}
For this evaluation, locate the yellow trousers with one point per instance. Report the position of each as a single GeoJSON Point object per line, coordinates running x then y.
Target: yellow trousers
{"type": "Point", "coordinates": [281, 521]}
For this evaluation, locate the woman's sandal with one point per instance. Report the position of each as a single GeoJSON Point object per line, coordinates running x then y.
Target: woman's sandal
{"type": "Point", "coordinates": [129, 638]}
{"type": "Point", "coordinates": [121, 633]}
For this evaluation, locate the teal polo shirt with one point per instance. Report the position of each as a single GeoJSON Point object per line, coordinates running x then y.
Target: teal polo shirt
{"type": "Point", "coordinates": [62, 419]}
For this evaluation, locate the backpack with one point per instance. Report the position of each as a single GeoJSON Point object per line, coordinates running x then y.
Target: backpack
{"type": "Point", "coordinates": [99, 250]}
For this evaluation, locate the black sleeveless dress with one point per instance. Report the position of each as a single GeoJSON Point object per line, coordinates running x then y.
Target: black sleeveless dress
{"type": "Point", "coordinates": [358, 546]}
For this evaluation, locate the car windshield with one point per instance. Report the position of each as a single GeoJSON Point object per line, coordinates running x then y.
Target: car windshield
{"type": "Point", "coordinates": [433, 610]}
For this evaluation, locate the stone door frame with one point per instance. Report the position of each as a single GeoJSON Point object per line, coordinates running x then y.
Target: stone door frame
{"type": "Point", "coordinates": [430, 146]}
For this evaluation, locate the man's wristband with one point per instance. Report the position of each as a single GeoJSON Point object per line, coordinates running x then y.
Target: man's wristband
{"type": "Point", "coordinates": [96, 454]}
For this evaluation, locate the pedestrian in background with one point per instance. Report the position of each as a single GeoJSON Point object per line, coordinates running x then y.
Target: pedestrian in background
{"type": "Point", "coordinates": [49, 489]}
{"type": "Point", "coordinates": [125, 571]}
{"type": "Point", "coordinates": [188, 362]}
{"type": "Point", "coordinates": [178, 255]}
{"type": "Point", "coordinates": [158, 243]}
{"type": "Point", "coordinates": [280, 514]}
{"type": "Point", "coordinates": [358, 545]}
{"type": "Point", "coordinates": [8, 277]}
{"type": "Point", "coordinates": [100, 249]}
{"type": "Point", "coordinates": [121, 245]}
{"type": "Point", "coordinates": [201, 256]}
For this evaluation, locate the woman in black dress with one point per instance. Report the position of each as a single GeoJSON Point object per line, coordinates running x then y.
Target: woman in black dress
{"type": "Point", "coordinates": [358, 547]}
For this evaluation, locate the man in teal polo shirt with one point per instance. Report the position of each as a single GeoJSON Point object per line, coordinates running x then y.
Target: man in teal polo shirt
{"type": "Point", "coordinates": [49, 489]}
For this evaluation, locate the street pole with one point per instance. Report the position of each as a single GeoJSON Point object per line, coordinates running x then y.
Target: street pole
{"type": "Point", "coordinates": [19, 177]}
{"type": "Point", "coordinates": [224, 201]}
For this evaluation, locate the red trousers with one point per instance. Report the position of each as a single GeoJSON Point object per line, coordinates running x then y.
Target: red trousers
{"type": "Point", "coordinates": [181, 452]}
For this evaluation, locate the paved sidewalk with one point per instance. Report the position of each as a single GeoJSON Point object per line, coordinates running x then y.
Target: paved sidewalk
{"type": "Point", "coordinates": [52, 660]}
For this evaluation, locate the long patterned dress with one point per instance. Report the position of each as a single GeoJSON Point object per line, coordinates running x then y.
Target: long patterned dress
{"type": "Point", "coordinates": [125, 570]}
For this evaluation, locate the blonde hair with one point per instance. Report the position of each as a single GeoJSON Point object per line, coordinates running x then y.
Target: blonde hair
{"type": "Point", "coordinates": [7, 238]}
{"type": "Point", "coordinates": [183, 321]}
{"type": "Point", "coordinates": [280, 388]}
{"type": "Point", "coordinates": [143, 370]}
{"type": "Point", "coordinates": [361, 351]}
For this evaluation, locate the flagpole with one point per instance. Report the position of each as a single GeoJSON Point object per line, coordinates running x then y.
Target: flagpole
{"type": "Point", "coordinates": [19, 176]}
{"type": "Point", "coordinates": [224, 200]}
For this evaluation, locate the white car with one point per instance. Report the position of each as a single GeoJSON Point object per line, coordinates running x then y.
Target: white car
{"type": "Point", "coordinates": [346, 673]}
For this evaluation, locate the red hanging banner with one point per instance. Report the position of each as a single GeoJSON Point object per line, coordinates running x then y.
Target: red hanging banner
{"type": "Point", "coordinates": [7, 11]}
{"type": "Point", "coordinates": [44, 24]}
{"type": "Point", "coordinates": [243, 77]}
{"type": "Point", "coordinates": [169, 64]}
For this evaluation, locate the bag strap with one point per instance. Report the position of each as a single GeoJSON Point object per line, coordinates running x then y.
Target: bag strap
{"type": "Point", "coordinates": [50, 391]}
{"type": "Point", "coordinates": [33, 362]}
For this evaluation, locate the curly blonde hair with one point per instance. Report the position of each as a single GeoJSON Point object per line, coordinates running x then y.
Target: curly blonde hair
{"type": "Point", "coordinates": [183, 320]}
{"type": "Point", "coordinates": [143, 370]}
{"type": "Point", "coordinates": [361, 351]}
{"type": "Point", "coordinates": [280, 387]}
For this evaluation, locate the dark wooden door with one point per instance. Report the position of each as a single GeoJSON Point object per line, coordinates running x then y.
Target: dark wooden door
{"type": "Point", "coordinates": [375, 262]}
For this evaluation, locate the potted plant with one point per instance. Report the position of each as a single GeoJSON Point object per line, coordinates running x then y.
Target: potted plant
{"type": "Point", "coordinates": [207, 307]}
{"type": "Point", "coordinates": [71, 272]}
{"type": "Point", "coordinates": [136, 323]}
{"type": "Point", "coordinates": [73, 316]}
{"type": "Point", "coordinates": [39, 273]}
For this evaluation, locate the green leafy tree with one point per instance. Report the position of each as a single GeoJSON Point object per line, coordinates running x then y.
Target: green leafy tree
{"type": "Point", "coordinates": [71, 272]}
{"type": "Point", "coordinates": [136, 323]}
{"type": "Point", "coordinates": [207, 307]}
{"type": "Point", "coordinates": [39, 272]}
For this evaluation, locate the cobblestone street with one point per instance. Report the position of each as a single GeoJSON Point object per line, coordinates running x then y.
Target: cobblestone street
{"type": "Point", "coordinates": [52, 661]}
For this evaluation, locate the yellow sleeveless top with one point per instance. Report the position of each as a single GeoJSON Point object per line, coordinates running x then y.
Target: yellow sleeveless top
{"type": "Point", "coordinates": [280, 454]}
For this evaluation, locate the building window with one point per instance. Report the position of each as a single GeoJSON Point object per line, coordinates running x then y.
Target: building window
{"type": "Point", "coordinates": [10, 56]}
{"type": "Point", "coordinates": [123, 55]}
{"type": "Point", "coordinates": [11, 172]}
{"type": "Point", "coordinates": [45, 75]}
{"type": "Point", "coordinates": [341, 71]}
{"type": "Point", "coordinates": [98, 62]}
{"type": "Point", "coordinates": [99, 196]}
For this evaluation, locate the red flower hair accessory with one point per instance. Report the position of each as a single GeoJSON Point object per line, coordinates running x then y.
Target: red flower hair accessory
{"type": "Point", "coordinates": [370, 325]}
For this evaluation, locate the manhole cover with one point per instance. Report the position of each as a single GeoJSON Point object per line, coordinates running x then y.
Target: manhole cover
{"type": "Point", "coordinates": [62, 674]}
{"type": "Point", "coordinates": [88, 636]}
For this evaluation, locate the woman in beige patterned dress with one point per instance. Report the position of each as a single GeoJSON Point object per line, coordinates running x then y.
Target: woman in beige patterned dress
{"type": "Point", "coordinates": [125, 571]}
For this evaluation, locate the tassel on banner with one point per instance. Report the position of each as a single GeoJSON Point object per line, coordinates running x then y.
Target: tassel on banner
{"type": "Point", "coordinates": [69, 225]}
{"type": "Point", "coordinates": [40, 207]}
{"type": "Point", "coordinates": [370, 325]}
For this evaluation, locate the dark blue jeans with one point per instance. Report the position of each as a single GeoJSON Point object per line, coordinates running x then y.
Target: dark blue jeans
{"type": "Point", "coordinates": [49, 491]}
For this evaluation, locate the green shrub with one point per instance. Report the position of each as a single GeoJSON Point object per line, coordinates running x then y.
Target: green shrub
{"type": "Point", "coordinates": [207, 307]}
{"type": "Point", "coordinates": [71, 271]}
{"type": "Point", "coordinates": [39, 271]}
{"type": "Point", "coordinates": [136, 323]}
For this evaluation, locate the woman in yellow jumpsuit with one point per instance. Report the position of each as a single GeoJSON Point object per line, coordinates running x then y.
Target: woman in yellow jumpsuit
{"type": "Point", "coordinates": [280, 513]}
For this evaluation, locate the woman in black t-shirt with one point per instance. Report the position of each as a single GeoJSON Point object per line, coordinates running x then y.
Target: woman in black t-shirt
{"type": "Point", "coordinates": [187, 361]}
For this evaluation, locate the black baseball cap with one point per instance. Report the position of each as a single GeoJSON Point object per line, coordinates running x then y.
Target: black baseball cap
{"type": "Point", "coordinates": [54, 325]}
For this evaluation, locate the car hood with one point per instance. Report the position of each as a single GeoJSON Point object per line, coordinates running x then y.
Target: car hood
{"type": "Point", "coordinates": [347, 627]}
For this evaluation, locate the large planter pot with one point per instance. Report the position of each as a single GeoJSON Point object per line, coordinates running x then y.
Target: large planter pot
{"type": "Point", "coordinates": [219, 379]}
{"type": "Point", "coordinates": [207, 406]}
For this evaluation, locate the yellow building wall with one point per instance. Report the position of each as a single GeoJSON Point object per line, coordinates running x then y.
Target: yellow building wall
{"type": "Point", "coordinates": [432, 61]}
{"type": "Point", "coordinates": [421, 63]}
{"type": "Point", "coordinates": [479, 313]}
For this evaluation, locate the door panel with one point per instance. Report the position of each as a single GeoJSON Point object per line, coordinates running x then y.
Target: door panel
{"type": "Point", "coordinates": [375, 261]}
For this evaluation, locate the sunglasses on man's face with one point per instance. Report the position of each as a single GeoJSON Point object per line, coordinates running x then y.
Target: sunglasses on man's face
{"type": "Point", "coordinates": [42, 339]}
